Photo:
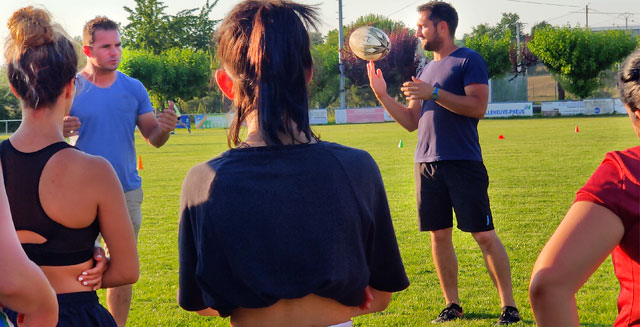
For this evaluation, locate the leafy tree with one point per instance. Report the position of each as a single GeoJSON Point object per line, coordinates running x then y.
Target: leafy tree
{"type": "Point", "coordinates": [324, 88]}
{"type": "Point", "coordinates": [538, 26]}
{"type": "Point", "coordinates": [150, 28]}
{"type": "Point", "coordinates": [9, 104]}
{"type": "Point", "coordinates": [493, 47]}
{"type": "Point", "coordinates": [378, 21]}
{"type": "Point", "coordinates": [175, 74]}
{"type": "Point", "coordinates": [189, 30]}
{"type": "Point", "coordinates": [498, 45]}
{"type": "Point", "coordinates": [576, 56]}
{"type": "Point", "coordinates": [511, 22]}
{"type": "Point", "coordinates": [316, 38]}
{"type": "Point", "coordinates": [527, 59]}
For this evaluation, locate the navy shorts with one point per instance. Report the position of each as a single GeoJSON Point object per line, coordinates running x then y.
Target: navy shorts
{"type": "Point", "coordinates": [459, 185]}
{"type": "Point", "coordinates": [80, 309]}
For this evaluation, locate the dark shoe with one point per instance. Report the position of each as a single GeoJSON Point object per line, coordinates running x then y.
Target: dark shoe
{"type": "Point", "coordinates": [451, 312]}
{"type": "Point", "coordinates": [510, 315]}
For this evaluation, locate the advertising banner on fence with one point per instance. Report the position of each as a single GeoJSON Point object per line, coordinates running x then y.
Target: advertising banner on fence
{"type": "Point", "coordinates": [387, 117]}
{"type": "Point", "coordinates": [562, 108]}
{"type": "Point", "coordinates": [213, 121]}
{"type": "Point", "coordinates": [365, 115]}
{"type": "Point", "coordinates": [509, 109]}
{"type": "Point", "coordinates": [618, 107]}
{"type": "Point", "coordinates": [184, 121]}
{"type": "Point", "coordinates": [318, 117]}
{"type": "Point", "coordinates": [598, 106]}
{"type": "Point", "coordinates": [341, 116]}
{"type": "Point", "coordinates": [360, 115]}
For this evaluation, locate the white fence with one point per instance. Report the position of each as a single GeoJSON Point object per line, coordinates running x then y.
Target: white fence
{"type": "Point", "coordinates": [378, 114]}
{"type": "Point", "coordinates": [6, 124]}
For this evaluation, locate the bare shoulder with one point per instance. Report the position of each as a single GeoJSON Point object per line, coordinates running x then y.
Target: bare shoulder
{"type": "Point", "coordinates": [85, 167]}
{"type": "Point", "coordinates": [198, 182]}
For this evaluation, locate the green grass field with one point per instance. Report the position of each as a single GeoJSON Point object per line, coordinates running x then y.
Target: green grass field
{"type": "Point", "coordinates": [534, 171]}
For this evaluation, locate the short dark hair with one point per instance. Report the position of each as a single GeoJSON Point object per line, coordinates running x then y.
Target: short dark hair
{"type": "Point", "coordinates": [98, 23]}
{"type": "Point", "coordinates": [629, 83]}
{"type": "Point", "coordinates": [265, 47]}
{"type": "Point", "coordinates": [442, 12]}
{"type": "Point", "coordinates": [41, 58]}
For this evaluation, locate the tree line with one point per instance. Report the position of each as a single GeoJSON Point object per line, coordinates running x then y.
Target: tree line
{"type": "Point", "coordinates": [174, 57]}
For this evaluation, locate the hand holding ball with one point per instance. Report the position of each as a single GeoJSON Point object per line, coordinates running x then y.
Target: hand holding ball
{"type": "Point", "coordinates": [369, 43]}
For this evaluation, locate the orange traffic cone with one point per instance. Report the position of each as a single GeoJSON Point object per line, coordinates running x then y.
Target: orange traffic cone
{"type": "Point", "coordinates": [139, 163]}
{"type": "Point", "coordinates": [577, 129]}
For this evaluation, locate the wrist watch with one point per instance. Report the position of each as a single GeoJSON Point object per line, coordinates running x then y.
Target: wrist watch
{"type": "Point", "coordinates": [434, 95]}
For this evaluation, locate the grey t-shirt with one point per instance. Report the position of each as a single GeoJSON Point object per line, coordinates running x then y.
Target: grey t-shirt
{"type": "Point", "coordinates": [442, 134]}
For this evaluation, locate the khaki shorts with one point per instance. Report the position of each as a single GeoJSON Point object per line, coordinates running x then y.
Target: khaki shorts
{"type": "Point", "coordinates": [134, 205]}
{"type": "Point", "coordinates": [133, 199]}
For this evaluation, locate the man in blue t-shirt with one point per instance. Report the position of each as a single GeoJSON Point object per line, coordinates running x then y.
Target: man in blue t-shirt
{"type": "Point", "coordinates": [446, 102]}
{"type": "Point", "coordinates": [107, 107]}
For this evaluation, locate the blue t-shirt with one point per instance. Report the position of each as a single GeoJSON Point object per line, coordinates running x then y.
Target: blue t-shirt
{"type": "Point", "coordinates": [108, 117]}
{"type": "Point", "coordinates": [442, 134]}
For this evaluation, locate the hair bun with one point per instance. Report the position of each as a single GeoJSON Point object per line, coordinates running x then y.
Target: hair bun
{"type": "Point", "coordinates": [30, 27]}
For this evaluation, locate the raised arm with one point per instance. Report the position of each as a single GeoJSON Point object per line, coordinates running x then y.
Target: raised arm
{"type": "Point", "coordinates": [584, 239]}
{"type": "Point", "coordinates": [23, 286]}
{"type": "Point", "coordinates": [407, 117]}
{"type": "Point", "coordinates": [115, 226]}
{"type": "Point", "coordinates": [473, 104]}
{"type": "Point", "coordinates": [156, 131]}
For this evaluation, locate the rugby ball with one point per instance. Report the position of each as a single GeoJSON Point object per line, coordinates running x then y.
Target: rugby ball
{"type": "Point", "coordinates": [369, 43]}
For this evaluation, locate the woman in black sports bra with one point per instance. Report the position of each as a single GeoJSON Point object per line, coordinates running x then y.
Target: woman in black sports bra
{"type": "Point", "coordinates": [60, 198]}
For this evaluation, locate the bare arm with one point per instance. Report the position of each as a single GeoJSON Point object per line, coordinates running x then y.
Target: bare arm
{"type": "Point", "coordinates": [208, 312]}
{"type": "Point", "coordinates": [584, 239]}
{"type": "Point", "coordinates": [116, 227]}
{"type": "Point", "coordinates": [156, 131]}
{"type": "Point", "coordinates": [23, 286]}
{"type": "Point", "coordinates": [375, 301]}
{"type": "Point", "coordinates": [473, 104]}
{"type": "Point", "coordinates": [70, 126]}
{"type": "Point", "coordinates": [407, 117]}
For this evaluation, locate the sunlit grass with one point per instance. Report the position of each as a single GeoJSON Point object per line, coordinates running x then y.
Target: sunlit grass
{"type": "Point", "coordinates": [534, 171]}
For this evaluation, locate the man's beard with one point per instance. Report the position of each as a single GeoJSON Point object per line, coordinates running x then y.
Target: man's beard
{"type": "Point", "coordinates": [433, 45]}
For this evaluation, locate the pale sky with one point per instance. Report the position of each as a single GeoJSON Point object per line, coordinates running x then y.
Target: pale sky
{"type": "Point", "coordinates": [72, 14]}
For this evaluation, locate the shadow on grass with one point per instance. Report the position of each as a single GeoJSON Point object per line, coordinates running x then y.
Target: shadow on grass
{"type": "Point", "coordinates": [482, 315]}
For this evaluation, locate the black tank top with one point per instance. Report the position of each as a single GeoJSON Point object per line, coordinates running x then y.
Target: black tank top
{"type": "Point", "coordinates": [64, 246]}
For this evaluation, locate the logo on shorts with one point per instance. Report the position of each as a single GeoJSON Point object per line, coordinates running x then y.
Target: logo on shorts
{"type": "Point", "coordinates": [488, 220]}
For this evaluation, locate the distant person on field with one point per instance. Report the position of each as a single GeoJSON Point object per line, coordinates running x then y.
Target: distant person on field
{"type": "Point", "coordinates": [60, 197]}
{"type": "Point", "coordinates": [604, 219]}
{"type": "Point", "coordinates": [105, 112]}
{"type": "Point", "coordinates": [23, 286]}
{"type": "Point", "coordinates": [446, 102]}
{"type": "Point", "coordinates": [283, 229]}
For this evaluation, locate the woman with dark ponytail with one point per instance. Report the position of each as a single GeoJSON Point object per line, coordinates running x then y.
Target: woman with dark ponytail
{"type": "Point", "coordinates": [604, 219]}
{"type": "Point", "coordinates": [283, 229]}
{"type": "Point", "coordinates": [60, 198]}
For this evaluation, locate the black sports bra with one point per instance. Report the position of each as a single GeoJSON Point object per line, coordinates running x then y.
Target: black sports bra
{"type": "Point", "coordinates": [64, 246]}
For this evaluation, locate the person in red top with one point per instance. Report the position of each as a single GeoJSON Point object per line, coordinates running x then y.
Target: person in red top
{"type": "Point", "coordinates": [604, 219]}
